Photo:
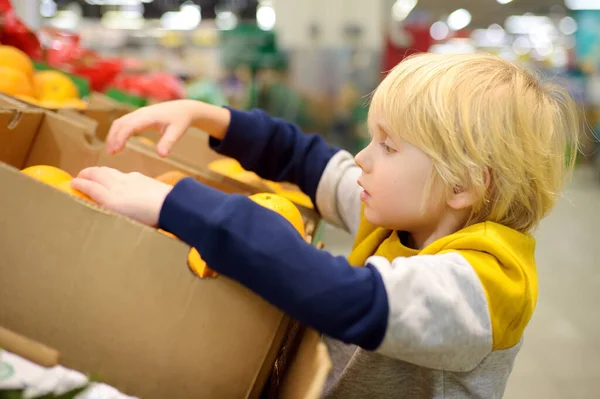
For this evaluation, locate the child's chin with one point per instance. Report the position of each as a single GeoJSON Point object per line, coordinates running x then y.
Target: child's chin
{"type": "Point", "coordinates": [372, 217]}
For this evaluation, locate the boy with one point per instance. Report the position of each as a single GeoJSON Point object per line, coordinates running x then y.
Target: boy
{"type": "Point", "coordinates": [467, 156]}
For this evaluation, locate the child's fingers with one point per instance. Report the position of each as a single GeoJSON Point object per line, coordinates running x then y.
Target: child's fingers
{"type": "Point", "coordinates": [122, 129]}
{"type": "Point", "coordinates": [101, 175]}
{"type": "Point", "coordinates": [92, 189]}
{"type": "Point", "coordinates": [171, 134]}
{"type": "Point", "coordinates": [112, 140]}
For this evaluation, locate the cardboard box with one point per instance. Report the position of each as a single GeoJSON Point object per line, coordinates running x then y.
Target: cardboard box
{"type": "Point", "coordinates": [101, 110]}
{"type": "Point", "coordinates": [115, 298]}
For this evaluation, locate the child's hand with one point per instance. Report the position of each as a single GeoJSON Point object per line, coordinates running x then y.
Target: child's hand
{"type": "Point", "coordinates": [131, 194]}
{"type": "Point", "coordinates": [172, 119]}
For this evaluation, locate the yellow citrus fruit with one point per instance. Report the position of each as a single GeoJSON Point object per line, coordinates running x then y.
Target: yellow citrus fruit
{"type": "Point", "coordinates": [297, 197]}
{"type": "Point", "coordinates": [75, 103]}
{"type": "Point", "coordinates": [171, 178]}
{"type": "Point", "coordinates": [198, 266]}
{"type": "Point", "coordinates": [273, 185]}
{"type": "Point", "coordinates": [247, 177]}
{"type": "Point", "coordinates": [67, 188]}
{"type": "Point", "coordinates": [47, 174]}
{"type": "Point", "coordinates": [13, 58]}
{"type": "Point", "coordinates": [226, 166]}
{"type": "Point", "coordinates": [161, 231]}
{"type": "Point", "coordinates": [145, 141]}
{"type": "Point", "coordinates": [54, 86]}
{"type": "Point", "coordinates": [14, 82]}
{"type": "Point", "coordinates": [28, 99]}
{"type": "Point", "coordinates": [282, 206]}
{"type": "Point", "coordinates": [195, 262]}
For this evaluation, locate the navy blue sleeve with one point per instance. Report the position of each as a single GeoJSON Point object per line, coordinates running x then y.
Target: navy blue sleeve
{"type": "Point", "coordinates": [275, 149]}
{"type": "Point", "coordinates": [259, 248]}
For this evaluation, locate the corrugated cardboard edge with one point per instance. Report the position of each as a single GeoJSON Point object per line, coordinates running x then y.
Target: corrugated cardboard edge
{"type": "Point", "coordinates": [264, 373]}
{"type": "Point", "coordinates": [308, 372]}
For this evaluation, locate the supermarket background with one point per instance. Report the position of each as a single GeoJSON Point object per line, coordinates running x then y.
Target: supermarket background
{"type": "Point", "coordinates": [314, 61]}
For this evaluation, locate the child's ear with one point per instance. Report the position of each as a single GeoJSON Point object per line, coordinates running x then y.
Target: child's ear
{"type": "Point", "coordinates": [462, 198]}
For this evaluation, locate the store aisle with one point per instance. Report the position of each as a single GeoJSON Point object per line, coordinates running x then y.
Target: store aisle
{"type": "Point", "coordinates": [561, 354]}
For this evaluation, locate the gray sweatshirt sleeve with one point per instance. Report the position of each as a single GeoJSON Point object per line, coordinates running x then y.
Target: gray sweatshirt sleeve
{"type": "Point", "coordinates": [338, 193]}
{"type": "Point", "coordinates": [438, 312]}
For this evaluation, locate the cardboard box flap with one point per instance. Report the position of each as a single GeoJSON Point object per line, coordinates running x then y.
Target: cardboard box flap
{"type": "Point", "coordinates": [64, 143]}
{"type": "Point", "coordinates": [135, 158]}
{"type": "Point", "coordinates": [18, 129]}
{"type": "Point", "coordinates": [117, 299]}
{"type": "Point", "coordinates": [7, 101]}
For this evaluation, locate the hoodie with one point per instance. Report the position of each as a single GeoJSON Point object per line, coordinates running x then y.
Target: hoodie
{"type": "Point", "coordinates": [446, 321]}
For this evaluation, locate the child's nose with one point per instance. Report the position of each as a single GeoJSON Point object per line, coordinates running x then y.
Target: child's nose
{"type": "Point", "coordinates": [362, 161]}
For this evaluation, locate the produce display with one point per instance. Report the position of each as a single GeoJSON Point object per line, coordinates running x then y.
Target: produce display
{"type": "Point", "coordinates": [53, 70]}
{"type": "Point", "coordinates": [231, 168]}
{"type": "Point", "coordinates": [47, 89]}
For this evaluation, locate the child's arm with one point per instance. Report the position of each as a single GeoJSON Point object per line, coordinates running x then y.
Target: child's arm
{"type": "Point", "coordinates": [275, 149]}
{"type": "Point", "coordinates": [427, 310]}
{"type": "Point", "coordinates": [278, 150]}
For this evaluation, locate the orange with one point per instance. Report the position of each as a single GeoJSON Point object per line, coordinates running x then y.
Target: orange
{"type": "Point", "coordinates": [226, 166]}
{"type": "Point", "coordinates": [14, 82]}
{"type": "Point", "coordinates": [247, 177]}
{"type": "Point", "coordinates": [171, 178]}
{"type": "Point", "coordinates": [297, 197]}
{"type": "Point", "coordinates": [198, 266]}
{"type": "Point", "coordinates": [195, 262]}
{"type": "Point", "coordinates": [13, 58]}
{"type": "Point", "coordinates": [54, 86]}
{"type": "Point", "coordinates": [161, 231]}
{"type": "Point", "coordinates": [75, 103]}
{"type": "Point", "coordinates": [67, 188]}
{"type": "Point", "coordinates": [28, 99]}
{"type": "Point", "coordinates": [276, 187]}
{"type": "Point", "coordinates": [145, 140]}
{"type": "Point", "coordinates": [47, 174]}
{"type": "Point", "coordinates": [282, 206]}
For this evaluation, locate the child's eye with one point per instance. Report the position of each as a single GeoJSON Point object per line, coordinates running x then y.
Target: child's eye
{"type": "Point", "coordinates": [386, 148]}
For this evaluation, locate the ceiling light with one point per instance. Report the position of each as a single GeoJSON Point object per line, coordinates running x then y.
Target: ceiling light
{"type": "Point", "coordinates": [523, 24]}
{"type": "Point", "coordinates": [583, 4]}
{"type": "Point", "coordinates": [187, 18]}
{"type": "Point", "coordinates": [495, 34]}
{"type": "Point", "coordinates": [402, 8]}
{"type": "Point", "coordinates": [48, 8]}
{"type": "Point", "coordinates": [439, 30]}
{"type": "Point", "coordinates": [459, 19]}
{"type": "Point", "coordinates": [567, 25]}
{"type": "Point", "coordinates": [226, 20]}
{"type": "Point", "coordinates": [504, 1]}
{"type": "Point", "coordinates": [265, 17]}
{"type": "Point", "coordinates": [544, 51]}
{"type": "Point", "coordinates": [521, 45]}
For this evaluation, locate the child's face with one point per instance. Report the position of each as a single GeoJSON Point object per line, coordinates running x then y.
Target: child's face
{"type": "Point", "coordinates": [394, 178]}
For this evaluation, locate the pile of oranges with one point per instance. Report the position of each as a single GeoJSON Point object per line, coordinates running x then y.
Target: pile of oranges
{"type": "Point", "coordinates": [48, 89]}
{"type": "Point", "coordinates": [54, 177]}
{"type": "Point", "coordinates": [274, 202]}
{"type": "Point", "coordinates": [231, 168]}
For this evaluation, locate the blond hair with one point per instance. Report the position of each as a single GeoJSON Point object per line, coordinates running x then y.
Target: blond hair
{"type": "Point", "coordinates": [473, 113]}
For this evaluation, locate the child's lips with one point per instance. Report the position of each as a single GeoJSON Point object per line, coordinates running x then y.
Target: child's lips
{"type": "Point", "coordinates": [364, 195]}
